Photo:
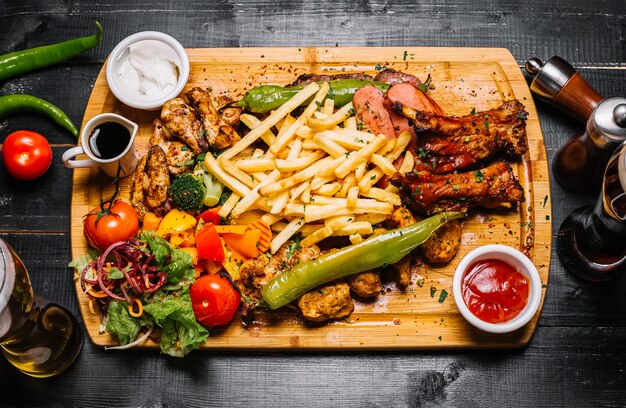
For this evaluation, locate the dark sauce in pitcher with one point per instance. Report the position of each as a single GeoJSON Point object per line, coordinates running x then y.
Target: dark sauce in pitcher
{"type": "Point", "coordinates": [108, 140]}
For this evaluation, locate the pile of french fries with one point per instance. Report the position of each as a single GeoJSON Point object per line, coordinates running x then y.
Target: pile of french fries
{"type": "Point", "coordinates": [314, 177]}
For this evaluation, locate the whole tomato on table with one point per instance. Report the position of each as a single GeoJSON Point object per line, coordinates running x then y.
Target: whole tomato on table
{"type": "Point", "coordinates": [26, 154]}
{"type": "Point", "coordinates": [214, 300]}
{"type": "Point", "coordinates": [110, 223]}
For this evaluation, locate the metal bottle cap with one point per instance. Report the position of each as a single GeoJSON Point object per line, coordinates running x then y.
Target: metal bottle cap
{"type": "Point", "coordinates": [550, 77]}
{"type": "Point", "coordinates": [607, 124]}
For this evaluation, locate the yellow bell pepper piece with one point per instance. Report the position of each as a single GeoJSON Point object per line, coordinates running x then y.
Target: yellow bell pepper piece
{"type": "Point", "coordinates": [175, 221]}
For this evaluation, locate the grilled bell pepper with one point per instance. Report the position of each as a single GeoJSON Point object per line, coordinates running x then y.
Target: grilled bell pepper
{"type": "Point", "coordinates": [175, 221]}
{"type": "Point", "coordinates": [266, 98]}
{"type": "Point", "coordinates": [384, 249]}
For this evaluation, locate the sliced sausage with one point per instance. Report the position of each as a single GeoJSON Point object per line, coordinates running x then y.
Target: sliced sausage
{"type": "Point", "coordinates": [370, 111]}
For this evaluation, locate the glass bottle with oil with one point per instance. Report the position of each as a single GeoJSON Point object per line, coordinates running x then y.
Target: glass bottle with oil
{"type": "Point", "coordinates": [38, 337]}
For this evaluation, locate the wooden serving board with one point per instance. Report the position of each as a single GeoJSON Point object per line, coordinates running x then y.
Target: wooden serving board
{"type": "Point", "coordinates": [417, 317]}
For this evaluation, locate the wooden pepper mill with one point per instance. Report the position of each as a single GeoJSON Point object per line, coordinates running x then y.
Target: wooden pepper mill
{"type": "Point", "coordinates": [579, 164]}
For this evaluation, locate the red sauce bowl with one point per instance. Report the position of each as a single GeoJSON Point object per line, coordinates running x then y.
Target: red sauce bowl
{"type": "Point", "coordinates": [520, 269]}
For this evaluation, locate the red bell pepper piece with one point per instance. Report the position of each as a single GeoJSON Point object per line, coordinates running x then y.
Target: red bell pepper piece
{"type": "Point", "coordinates": [209, 244]}
{"type": "Point", "coordinates": [210, 215]}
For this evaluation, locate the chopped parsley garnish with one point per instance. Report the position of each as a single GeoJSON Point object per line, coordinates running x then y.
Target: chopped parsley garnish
{"type": "Point", "coordinates": [404, 56]}
{"type": "Point", "coordinates": [480, 177]}
{"type": "Point", "coordinates": [443, 295]}
{"type": "Point", "coordinates": [432, 291]}
{"type": "Point", "coordinates": [473, 111]}
{"type": "Point", "coordinates": [486, 122]}
{"type": "Point", "coordinates": [545, 200]}
{"type": "Point", "coordinates": [456, 188]}
{"type": "Point", "coordinates": [351, 112]}
{"type": "Point", "coordinates": [380, 67]}
{"type": "Point", "coordinates": [521, 116]}
{"type": "Point", "coordinates": [421, 153]}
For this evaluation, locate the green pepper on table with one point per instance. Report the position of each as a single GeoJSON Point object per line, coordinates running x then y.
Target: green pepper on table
{"type": "Point", "coordinates": [18, 62]}
{"type": "Point", "coordinates": [380, 250]}
{"type": "Point", "coordinates": [266, 98]}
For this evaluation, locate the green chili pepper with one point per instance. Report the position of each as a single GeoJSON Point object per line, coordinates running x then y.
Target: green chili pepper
{"type": "Point", "coordinates": [27, 60]}
{"type": "Point", "coordinates": [266, 98]}
{"type": "Point", "coordinates": [374, 252]}
{"type": "Point", "coordinates": [19, 102]}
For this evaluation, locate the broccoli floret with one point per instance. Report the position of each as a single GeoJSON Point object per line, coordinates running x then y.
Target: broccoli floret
{"type": "Point", "coordinates": [188, 192]}
{"type": "Point", "coordinates": [212, 185]}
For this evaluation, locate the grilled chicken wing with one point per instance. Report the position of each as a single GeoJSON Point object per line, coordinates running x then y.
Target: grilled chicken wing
{"type": "Point", "coordinates": [449, 143]}
{"type": "Point", "coordinates": [181, 121]}
{"type": "Point", "coordinates": [491, 187]}
{"type": "Point", "coordinates": [219, 133]}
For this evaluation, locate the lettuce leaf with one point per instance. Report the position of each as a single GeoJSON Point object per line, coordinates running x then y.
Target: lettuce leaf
{"type": "Point", "coordinates": [120, 323]}
{"type": "Point", "coordinates": [173, 312]}
{"type": "Point", "coordinates": [175, 263]}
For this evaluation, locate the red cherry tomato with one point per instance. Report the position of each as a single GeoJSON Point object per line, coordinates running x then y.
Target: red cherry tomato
{"type": "Point", "coordinates": [120, 224]}
{"type": "Point", "coordinates": [27, 155]}
{"type": "Point", "coordinates": [214, 300]}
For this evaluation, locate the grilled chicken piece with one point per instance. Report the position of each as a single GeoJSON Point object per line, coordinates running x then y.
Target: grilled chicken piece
{"type": "Point", "coordinates": [156, 182]}
{"type": "Point", "coordinates": [402, 217]}
{"type": "Point", "coordinates": [219, 134]}
{"type": "Point", "coordinates": [179, 157]}
{"type": "Point", "coordinates": [149, 189]}
{"type": "Point", "coordinates": [370, 111]}
{"type": "Point", "coordinates": [365, 284]}
{"type": "Point", "coordinates": [444, 243]}
{"type": "Point", "coordinates": [160, 135]}
{"type": "Point", "coordinates": [256, 273]}
{"type": "Point", "coordinates": [392, 77]}
{"type": "Point", "coordinates": [330, 301]}
{"type": "Point", "coordinates": [449, 143]}
{"type": "Point", "coordinates": [136, 189]}
{"type": "Point", "coordinates": [491, 187]}
{"type": "Point", "coordinates": [180, 119]}
{"type": "Point", "coordinates": [230, 115]}
{"type": "Point", "coordinates": [308, 78]}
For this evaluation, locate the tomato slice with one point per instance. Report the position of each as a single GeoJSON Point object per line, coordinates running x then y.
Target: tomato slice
{"type": "Point", "coordinates": [209, 244]}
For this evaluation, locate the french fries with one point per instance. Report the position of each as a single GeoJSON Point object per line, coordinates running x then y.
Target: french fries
{"type": "Point", "coordinates": [316, 175]}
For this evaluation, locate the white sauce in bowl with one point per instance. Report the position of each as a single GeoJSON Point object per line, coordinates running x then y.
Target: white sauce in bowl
{"type": "Point", "coordinates": [148, 70]}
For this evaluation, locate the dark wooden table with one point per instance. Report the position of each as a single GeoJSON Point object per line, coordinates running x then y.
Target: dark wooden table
{"type": "Point", "coordinates": [578, 354]}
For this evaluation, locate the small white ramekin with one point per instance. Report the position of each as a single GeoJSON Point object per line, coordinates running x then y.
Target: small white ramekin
{"type": "Point", "coordinates": [514, 258]}
{"type": "Point", "coordinates": [113, 68]}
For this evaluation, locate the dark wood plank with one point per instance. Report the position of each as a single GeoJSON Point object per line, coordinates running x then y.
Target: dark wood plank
{"type": "Point", "coordinates": [38, 205]}
{"type": "Point", "coordinates": [582, 31]}
{"type": "Point", "coordinates": [552, 371]}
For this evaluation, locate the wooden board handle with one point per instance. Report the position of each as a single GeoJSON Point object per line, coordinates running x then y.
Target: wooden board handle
{"type": "Point", "coordinates": [578, 98]}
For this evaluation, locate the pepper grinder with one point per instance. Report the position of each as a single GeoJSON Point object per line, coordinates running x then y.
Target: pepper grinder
{"type": "Point", "coordinates": [579, 163]}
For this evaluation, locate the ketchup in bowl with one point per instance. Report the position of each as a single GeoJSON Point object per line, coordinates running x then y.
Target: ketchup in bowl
{"type": "Point", "coordinates": [494, 291]}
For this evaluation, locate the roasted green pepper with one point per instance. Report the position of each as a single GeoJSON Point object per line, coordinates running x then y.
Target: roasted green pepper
{"type": "Point", "coordinates": [266, 98]}
{"type": "Point", "coordinates": [27, 60]}
{"type": "Point", "coordinates": [19, 102]}
{"type": "Point", "coordinates": [384, 249]}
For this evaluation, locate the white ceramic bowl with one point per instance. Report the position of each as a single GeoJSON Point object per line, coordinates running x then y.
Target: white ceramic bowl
{"type": "Point", "coordinates": [114, 62]}
{"type": "Point", "coordinates": [514, 258]}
